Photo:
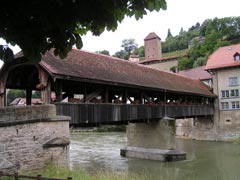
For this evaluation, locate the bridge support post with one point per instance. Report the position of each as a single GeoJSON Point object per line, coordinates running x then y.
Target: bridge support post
{"type": "Point", "coordinates": [153, 140]}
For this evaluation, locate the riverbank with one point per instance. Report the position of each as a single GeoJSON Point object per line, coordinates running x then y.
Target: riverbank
{"type": "Point", "coordinates": [53, 171]}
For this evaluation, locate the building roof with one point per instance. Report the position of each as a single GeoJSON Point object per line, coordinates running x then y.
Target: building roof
{"type": "Point", "coordinates": [151, 35]}
{"type": "Point", "coordinates": [223, 57]}
{"type": "Point", "coordinates": [92, 67]}
{"type": "Point", "coordinates": [196, 73]}
{"type": "Point", "coordinates": [157, 60]}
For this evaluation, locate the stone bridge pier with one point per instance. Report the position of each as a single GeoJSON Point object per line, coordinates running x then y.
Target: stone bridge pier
{"type": "Point", "coordinates": [153, 140]}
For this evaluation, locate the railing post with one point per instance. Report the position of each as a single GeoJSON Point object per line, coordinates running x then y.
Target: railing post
{"type": "Point", "coordinates": [39, 177]}
{"type": "Point", "coordinates": [16, 176]}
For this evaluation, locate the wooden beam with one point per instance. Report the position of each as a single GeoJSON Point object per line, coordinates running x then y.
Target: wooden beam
{"type": "Point", "coordinates": [106, 95]}
{"type": "Point", "coordinates": [28, 96]}
{"type": "Point", "coordinates": [58, 91]}
{"type": "Point", "coordinates": [84, 92]}
{"type": "Point", "coordinates": [92, 95]}
{"type": "Point", "coordinates": [141, 97]}
{"type": "Point", "coordinates": [46, 94]}
{"type": "Point", "coordinates": [124, 96]}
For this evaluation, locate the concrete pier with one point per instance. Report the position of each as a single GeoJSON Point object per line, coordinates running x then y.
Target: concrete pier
{"type": "Point", "coordinates": [153, 140]}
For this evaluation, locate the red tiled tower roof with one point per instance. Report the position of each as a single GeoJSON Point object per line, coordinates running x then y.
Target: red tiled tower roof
{"type": "Point", "coordinates": [152, 35]}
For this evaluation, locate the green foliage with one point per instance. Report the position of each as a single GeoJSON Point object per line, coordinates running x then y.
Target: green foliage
{"type": "Point", "coordinates": [36, 26]}
{"type": "Point", "coordinates": [129, 46]}
{"type": "Point", "coordinates": [173, 69]}
{"type": "Point", "coordinates": [140, 51]}
{"type": "Point", "coordinates": [180, 42]}
{"type": "Point", "coordinates": [204, 40]}
{"type": "Point", "coordinates": [106, 52]}
{"type": "Point", "coordinates": [201, 61]}
{"type": "Point", "coordinates": [185, 63]}
{"type": "Point", "coordinates": [36, 94]}
{"type": "Point", "coordinates": [13, 94]}
{"type": "Point", "coordinates": [175, 53]}
{"type": "Point", "coordinates": [169, 34]}
{"type": "Point", "coordinates": [121, 54]}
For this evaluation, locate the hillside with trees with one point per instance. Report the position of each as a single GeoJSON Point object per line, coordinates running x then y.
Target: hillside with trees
{"type": "Point", "coordinates": [201, 40]}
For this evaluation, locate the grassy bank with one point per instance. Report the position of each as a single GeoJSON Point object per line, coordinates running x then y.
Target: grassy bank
{"type": "Point", "coordinates": [53, 171]}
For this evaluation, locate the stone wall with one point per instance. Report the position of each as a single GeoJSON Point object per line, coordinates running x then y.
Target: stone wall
{"type": "Point", "coordinates": [166, 66]}
{"type": "Point", "coordinates": [39, 137]}
{"type": "Point", "coordinates": [198, 128]}
{"type": "Point", "coordinates": [184, 128]}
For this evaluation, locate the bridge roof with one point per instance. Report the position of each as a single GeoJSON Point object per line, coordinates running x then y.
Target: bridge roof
{"type": "Point", "coordinates": [98, 68]}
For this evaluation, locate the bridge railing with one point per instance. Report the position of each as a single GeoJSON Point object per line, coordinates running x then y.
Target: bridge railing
{"type": "Point", "coordinates": [117, 113]}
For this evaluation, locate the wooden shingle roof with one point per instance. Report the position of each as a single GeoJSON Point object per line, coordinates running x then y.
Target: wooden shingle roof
{"type": "Point", "coordinates": [92, 67]}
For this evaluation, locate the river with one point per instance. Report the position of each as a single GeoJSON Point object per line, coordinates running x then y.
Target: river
{"type": "Point", "coordinates": [205, 160]}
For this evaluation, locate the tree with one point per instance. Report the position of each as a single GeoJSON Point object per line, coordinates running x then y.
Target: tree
{"type": "Point", "coordinates": [36, 26]}
{"type": "Point", "coordinates": [140, 51]}
{"type": "Point", "coordinates": [120, 54]}
{"type": "Point", "coordinates": [13, 94]}
{"type": "Point", "coordinates": [200, 62]}
{"type": "Point", "coordinates": [106, 52]}
{"type": "Point", "coordinates": [129, 45]}
{"type": "Point", "coordinates": [185, 63]}
{"type": "Point", "coordinates": [36, 94]}
{"type": "Point", "coordinates": [169, 34]}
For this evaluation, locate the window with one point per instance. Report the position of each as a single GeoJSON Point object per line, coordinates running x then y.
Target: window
{"type": "Point", "coordinates": [224, 105]}
{"type": "Point", "coordinates": [234, 93]}
{"type": "Point", "coordinates": [236, 56]}
{"type": "Point", "coordinates": [225, 93]}
{"type": "Point", "coordinates": [235, 105]}
{"type": "Point", "coordinates": [233, 81]}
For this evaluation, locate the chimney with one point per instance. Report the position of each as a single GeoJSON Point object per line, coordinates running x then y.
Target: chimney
{"type": "Point", "coordinates": [152, 46]}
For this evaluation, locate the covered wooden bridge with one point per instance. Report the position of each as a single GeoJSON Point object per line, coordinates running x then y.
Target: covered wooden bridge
{"type": "Point", "coordinates": [94, 88]}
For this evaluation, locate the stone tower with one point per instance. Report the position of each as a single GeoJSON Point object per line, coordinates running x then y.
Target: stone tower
{"type": "Point", "coordinates": [152, 45]}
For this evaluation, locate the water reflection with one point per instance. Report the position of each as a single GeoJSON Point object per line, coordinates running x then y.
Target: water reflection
{"type": "Point", "coordinates": [205, 160]}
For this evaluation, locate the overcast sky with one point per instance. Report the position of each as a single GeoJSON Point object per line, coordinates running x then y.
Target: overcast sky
{"type": "Point", "coordinates": [184, 13]}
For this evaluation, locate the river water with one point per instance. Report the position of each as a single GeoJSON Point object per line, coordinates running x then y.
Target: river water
{"type": "Point", "coordinates": [205, 160]}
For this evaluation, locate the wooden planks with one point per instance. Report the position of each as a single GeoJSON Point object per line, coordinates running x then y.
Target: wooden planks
{"type": "Point", "coordinates": [122, 113]}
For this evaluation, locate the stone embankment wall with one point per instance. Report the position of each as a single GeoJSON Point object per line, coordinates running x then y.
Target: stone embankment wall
{"type": "Point", "coordinates": [204, 128]}
{"type": "Point", "coordinates": [31, 136]}
{"type": "Point", "coordinates": [199, 128]}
